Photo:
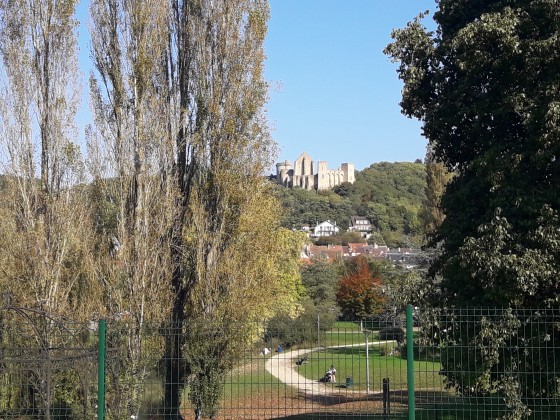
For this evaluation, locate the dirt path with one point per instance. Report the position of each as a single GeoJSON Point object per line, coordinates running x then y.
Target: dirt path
{"type": "Point", "coordinates": [282, 366]}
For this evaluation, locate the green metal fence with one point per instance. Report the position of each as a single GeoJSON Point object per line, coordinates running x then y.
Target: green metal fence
{"type": "Point", "coordinates": [426, 364]}
{"type": "Point", "coordinates": [47, 366]}
{"type": "Point", "coordinates": [494, 363]}
{"type": "Point", "coordinates": [265, 374]}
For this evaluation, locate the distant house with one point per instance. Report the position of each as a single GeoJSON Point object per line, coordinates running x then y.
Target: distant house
{"type": "Point", "coordinates": [406, 257]}
{"type": "Point", "coordinates": [372, 251]}
{"type": "Point", "coordinates": [326, 228]}
{"type": "Point", "coordinates": [328, 252]}
{"type": "Point", "coordinates": [361, 225]}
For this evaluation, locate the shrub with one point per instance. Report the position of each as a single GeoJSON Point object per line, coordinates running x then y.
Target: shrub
{"type": "Point", "coordinates": [303, 329]}
{"type": "Point", "coordinates": [393, 333]}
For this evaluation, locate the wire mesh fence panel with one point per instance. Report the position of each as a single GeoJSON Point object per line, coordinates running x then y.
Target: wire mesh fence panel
{"type": "Point", "coordinates": [323, 375]}
{"type": "Point", "coordinates": [492, 363]}
{"type": "Point", "coordinates": [468, 364]}
{"type": "Point", "coordinates": [260, 372]}
{"type": "Point", "coordinates": [47, 366]}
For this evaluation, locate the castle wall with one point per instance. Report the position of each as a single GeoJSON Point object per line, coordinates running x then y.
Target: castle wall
{"type": "Point", "coordinates": [284, 173]}
{"type": "Point", "coordinates": [348, 172]}
{"type": "Point", "coordinates": [307, 182]}
{"type": "Point", "coordinates": [302, 174]}
{"type": "Point", "coordinates": [322, 176]}
{"type": "Point", "coordinates": [303, 165]}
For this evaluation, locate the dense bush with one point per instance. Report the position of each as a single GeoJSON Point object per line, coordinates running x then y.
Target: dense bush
{"type": "Point", "coordinates": [393, 333]}
{"type": "Point", "coordinates": [294, 331]}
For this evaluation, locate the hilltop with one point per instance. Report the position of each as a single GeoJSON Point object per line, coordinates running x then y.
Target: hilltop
{"type": "Point", "coordinates": [390, 195]}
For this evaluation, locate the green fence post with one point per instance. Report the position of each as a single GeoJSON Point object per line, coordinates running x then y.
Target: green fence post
{"type": "Point", "coordinates": [410, 362]}
{"type": "Point", "coordinates": [101, 352]}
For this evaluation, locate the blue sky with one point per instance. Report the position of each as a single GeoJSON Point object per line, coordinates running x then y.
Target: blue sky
{"type": "Point", "coordinates": [333, 92]}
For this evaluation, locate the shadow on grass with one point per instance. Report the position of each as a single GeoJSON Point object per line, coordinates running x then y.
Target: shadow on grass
{"type": "Point", "coordinates": [377, 350]}
{"type": "Point", "coordinates": [429, 405]}
{"type": "Point", "coordinates": [356, 351]}
{"type": "Point", "coordinates": [329, 400]}
{"type": "Point", "coordinates": [326, 415]}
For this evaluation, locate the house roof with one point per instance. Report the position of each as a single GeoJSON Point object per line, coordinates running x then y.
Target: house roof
{"type": "Point", "coordinates": [372, 251]}
{"type": "Point", "coordinates": [353, 219]}
{"type": "Point", "coordinates": [326, 222]}
{"type": "Point", "coordinates": [328, 251]}
{"type": "Point", "coordinates": [354, 245]}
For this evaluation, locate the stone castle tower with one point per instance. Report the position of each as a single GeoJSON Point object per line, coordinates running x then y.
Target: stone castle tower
{"type": "Point", "coordinates": [302, 174]}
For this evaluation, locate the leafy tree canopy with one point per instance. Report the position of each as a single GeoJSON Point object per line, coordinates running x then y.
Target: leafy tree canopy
{"type": "Point", "coordinates": [341, 239]}
{"type": "Point", "coordinates": [359, 292]}
{"type": "Point", "coordinates": [390, 195]}
{"type": "Point", "coordinates": [487, 89]}
{"type": "Point", "coordinates": [302, 207]}
{"type": "Point", "coordinates": [320, 279]}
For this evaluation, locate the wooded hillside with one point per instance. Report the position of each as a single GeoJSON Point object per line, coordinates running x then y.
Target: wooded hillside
{"type": "Point", "coordinates": [390, 195]}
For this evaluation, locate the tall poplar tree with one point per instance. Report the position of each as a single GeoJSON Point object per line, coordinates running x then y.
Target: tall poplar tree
{"type": "Point", "coordinates": [179, 106]}
{"type": "Point", "coordinates": [46, 259]}
{"type": "Point", "coordinates": [44, 234]}
{"type": "Point", "coordinates": [222, 145]}
{"type": "Point", "coordinates": [437, 178]}
{"type": "Point", "coordinates": [128, 152]}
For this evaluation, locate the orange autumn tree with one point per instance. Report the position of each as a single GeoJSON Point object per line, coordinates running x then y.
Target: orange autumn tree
{"type": "Point", "coordinates": [360, 293]}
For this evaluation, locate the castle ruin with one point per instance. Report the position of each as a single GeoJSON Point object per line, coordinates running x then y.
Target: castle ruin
{"type": "Point", "coordinates": [302, 174]}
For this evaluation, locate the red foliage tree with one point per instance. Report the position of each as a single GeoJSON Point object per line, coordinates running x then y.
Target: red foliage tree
{"type": "Point", "coordinates": [360, 293]}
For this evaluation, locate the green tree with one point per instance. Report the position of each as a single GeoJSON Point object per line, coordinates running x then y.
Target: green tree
{"type": "Point", "coordinates": [316, 301]}
{"type": "Point", "coordinates": [179, 103]}
{"type": "Point", "coordinates": [289, 330]}
{"type": "Point", "coordinates": [320, 280]}
{"type": "Point", "coordinates": [390, 195]}
{"type": "Point", "coordinates": [127, 137]}
{"type": "Point", "coordinates": [437, 178]}
{"type": "Point", "coordinates": [486, 87]}
{"type": "Point", "coordinates": [221, 147]}
{"type": "Point", "coordinates": [341, 239]}
{"type": "Point", "coordinates": [486, 90]}
{"type": "Point", "coordinates": [309, 207]}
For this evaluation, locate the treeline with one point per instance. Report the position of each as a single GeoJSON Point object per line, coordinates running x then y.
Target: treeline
{"type": "Point", "coordinates": [390, 195]}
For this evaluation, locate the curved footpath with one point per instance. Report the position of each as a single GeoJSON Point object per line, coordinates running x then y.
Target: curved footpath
{"type": "Point", "coordinates": [282, 366]}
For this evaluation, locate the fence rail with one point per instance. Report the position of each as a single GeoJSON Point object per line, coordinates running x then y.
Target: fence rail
{"type": "Point", "coordinates": [460, 363]}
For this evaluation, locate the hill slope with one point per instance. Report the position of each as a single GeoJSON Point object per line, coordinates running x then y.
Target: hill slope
{"type": "Point", "coordinates": [390, 195]}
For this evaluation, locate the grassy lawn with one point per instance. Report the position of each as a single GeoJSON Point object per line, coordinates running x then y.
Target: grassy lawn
{"type": "Point", "coordinates": [250, 378]}
{"type": "Point", "coordinates": [346, 333]}
{"type": "Point", "coordinates": [251, 392]}
{"type": "Point", "coordinates": [345, 337]}
{"type": "Point", "coordinates": [355, 325]}
{"type": "Point", "coordinates": [346, 326]}
{"type": "Point", "coordinates": [351, 362]}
